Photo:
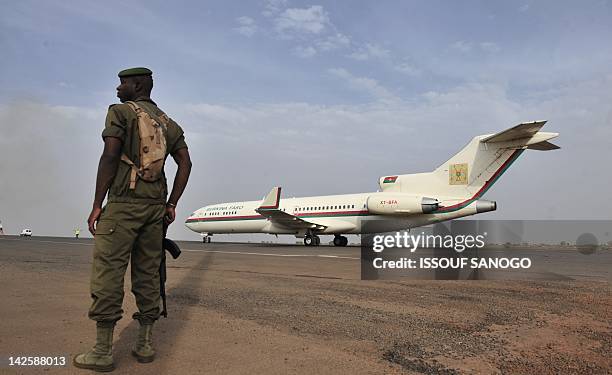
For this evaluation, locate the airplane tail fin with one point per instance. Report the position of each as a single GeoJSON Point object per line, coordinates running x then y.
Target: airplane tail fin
{"type": "Point", "coordinates": [474, 169]}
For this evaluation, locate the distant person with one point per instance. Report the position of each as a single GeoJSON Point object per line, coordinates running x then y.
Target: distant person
{"type": "Point", "coordinates": [77, 231]}
{"type": "Point", "coordinates": [138, 137]}
{"type": "Point", "coordinates": [1, 230]}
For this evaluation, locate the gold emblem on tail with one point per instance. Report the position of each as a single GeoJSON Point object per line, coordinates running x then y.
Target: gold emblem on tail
{"type": "Point", "coordinates": [458, 174]}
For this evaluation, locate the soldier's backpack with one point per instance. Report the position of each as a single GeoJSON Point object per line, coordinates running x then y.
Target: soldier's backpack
{"type": "Point", "coordinates": [152, 131]}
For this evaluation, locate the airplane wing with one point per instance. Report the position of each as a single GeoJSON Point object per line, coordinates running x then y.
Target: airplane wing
{"type": "Point", "coordinates": [269, 209]}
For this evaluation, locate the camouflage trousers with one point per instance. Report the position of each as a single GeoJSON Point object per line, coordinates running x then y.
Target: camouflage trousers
{"type": "Point", "coordinates": [127, 231]}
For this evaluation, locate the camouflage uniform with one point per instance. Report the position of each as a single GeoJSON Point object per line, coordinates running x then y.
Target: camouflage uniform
{"type": "Point", "coordinates": [130, 226]}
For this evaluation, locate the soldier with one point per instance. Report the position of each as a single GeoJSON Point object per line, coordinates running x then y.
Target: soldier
{"type": "Point", "coordinates": [138, 137]}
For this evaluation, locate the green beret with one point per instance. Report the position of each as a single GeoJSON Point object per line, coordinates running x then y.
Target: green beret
{"type": "Point", "coordinates": [135, 72]}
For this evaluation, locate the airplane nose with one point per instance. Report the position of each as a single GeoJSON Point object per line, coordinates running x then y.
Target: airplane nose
{"type": "Point", "coordinates": [190, 223]}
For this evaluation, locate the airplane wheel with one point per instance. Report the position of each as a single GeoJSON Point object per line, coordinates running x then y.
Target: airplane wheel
{"type": "Point", "coordinates": [308, 241]}
{"type": "Point", "coordinates": [208, 239]}
{"type": "Point", "coordinates": [344, 241]}
{"type": "Point", "coordinates": [317, 240]}
{"type": "Point", "coordinates": [338, 240]}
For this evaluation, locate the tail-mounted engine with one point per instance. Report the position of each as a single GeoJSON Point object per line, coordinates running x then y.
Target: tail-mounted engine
{"type": "Point", "coordinates": [400, 204]}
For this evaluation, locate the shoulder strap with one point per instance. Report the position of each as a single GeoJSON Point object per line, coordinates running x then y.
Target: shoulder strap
{"type": "Point", "coordinates": [162, 119]}
{"type": "Point", "coordinates": [124, 158]}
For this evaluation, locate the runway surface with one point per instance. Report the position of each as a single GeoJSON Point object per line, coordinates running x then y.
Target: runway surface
{"type": "Point", "coordinates": [277, 309]}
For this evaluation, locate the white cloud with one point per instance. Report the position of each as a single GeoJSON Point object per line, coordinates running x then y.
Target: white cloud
{"type": "Point", "coordinates": [273, 7]}
{"type": "Point", "coordinates": [465, 46]}
{"type": "Point", "coordinates": [310, 25]}
{"type": "Point", "coordinates": [407, 69]}
{"type": "Point", "coordinates": [304, 52]}
{"type": "Point", "coordinates": [246, 26]}
{"type": "Point", "coordinates": [66, 85]}
{"type": "Point", "coordinates": [490, 47]}
{"type": "Point", "coordinates": [332, 42]}
{"type": "Point", "coordinates": [462, 46]}
{"type": "Point", "coordinates": [370, 51]}
{"type": "Point", "coordinates": [300, 21]}
{"type": "Point", "coordinates": [364, 84]}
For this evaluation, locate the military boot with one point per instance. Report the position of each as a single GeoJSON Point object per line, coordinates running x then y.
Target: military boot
{"type": "Point", "coordinates": [143, 351]}
{"type": "Point", "coordinates": [100, 357]}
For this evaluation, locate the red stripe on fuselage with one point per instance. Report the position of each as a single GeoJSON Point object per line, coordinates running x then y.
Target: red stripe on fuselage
{"type": "Point", "coordinates": [211, 218]}
{"type": "Point", "coordinates": [331, 213]}
{"type": "Point", "coordinates": [245, 217]}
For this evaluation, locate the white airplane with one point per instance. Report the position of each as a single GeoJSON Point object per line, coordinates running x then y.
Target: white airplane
{"type": "Point", "coordinates": [451, 191]}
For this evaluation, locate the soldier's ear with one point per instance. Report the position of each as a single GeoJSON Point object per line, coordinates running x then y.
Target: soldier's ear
{"type": "Point", "coordinates": [137, 85]}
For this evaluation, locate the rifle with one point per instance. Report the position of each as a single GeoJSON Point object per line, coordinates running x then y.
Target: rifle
{"type": "Point", "coordinates": [171, 247]}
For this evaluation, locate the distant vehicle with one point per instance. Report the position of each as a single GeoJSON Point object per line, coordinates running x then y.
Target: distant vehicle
{"type": "Point", "coordinates": [26, 233]}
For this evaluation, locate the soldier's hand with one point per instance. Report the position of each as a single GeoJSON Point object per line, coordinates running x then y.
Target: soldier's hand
{"type": "Point", "coordinates": [170, 215]}
{"type": "Point", "coordinates": [93, 219]}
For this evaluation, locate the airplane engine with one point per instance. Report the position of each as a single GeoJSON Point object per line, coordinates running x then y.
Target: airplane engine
{"type": "Point", "coordinates": [400, 204]}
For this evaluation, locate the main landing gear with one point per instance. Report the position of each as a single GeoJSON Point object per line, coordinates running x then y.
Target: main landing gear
{"type": "Point", "coordinates": [312, 240]}
{"type": "Point", "coordinates": [340, 240]}
{"type": "Point", "coordinates": [206, 238]}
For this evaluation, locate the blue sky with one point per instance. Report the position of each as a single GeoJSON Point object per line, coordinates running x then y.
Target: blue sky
{"type": "Point", "coordinates": [236, 52]}
{"type": "Point", "coordinates": [320, 97]}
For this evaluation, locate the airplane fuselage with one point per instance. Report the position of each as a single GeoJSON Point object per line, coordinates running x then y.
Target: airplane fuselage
{"type": "Point", "coordinates": [340, 214]}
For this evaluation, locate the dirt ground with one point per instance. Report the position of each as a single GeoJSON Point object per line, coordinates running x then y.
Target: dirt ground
{"type": "Point", "coordinates": [247, 308]}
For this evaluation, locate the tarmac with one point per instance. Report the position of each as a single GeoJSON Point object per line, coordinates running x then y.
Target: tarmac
{"type": "Point", "coordinates": [278, 309]}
